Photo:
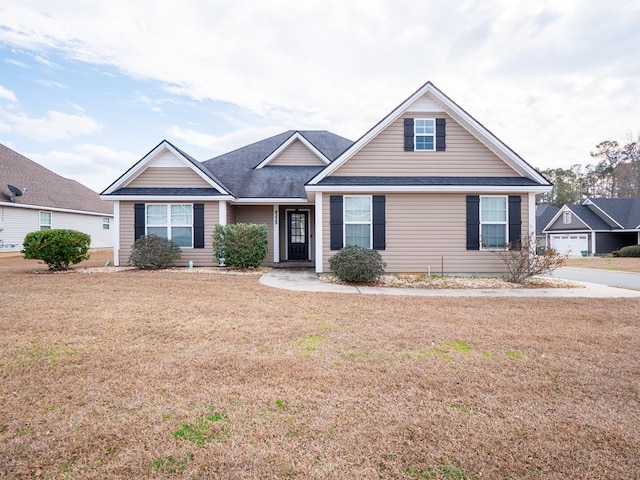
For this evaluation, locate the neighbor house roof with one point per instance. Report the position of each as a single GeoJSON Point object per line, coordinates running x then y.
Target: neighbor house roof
{"type": "Point", "coordinates": [624, 211]}
{"type": "Point", "coordinates": [544, 214]}
{"type": "Point", "coordinates": [238, 169]}
{"type": "Point", "coordinates": [44, 188]}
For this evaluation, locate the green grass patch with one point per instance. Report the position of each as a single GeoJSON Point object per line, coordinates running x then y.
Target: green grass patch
{"type": "Point", "coordinates": [310, 344]}
{"type": "Point", "coordinates": [280, 405]}
{"type": "Point", "coordinates": [209, 428]}
{"type": "Point", "coordinates": [512, 354]}
{"type": "Point", "coordinates": [170, 465]}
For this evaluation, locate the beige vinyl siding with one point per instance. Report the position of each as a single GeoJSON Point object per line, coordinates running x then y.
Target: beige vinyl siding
{"type": "Point", "coordinates": [168, 177]}
{"type": "Point", "coordinates": [201, 257]}
{"type": "Point", "coordinates": [296, 154]}
{"type": "Point", "coordinates": [258, 214]}
{"type": "Point", "coordinates": [231, 213]}
{"type": "Point", "coordinates": [465, 156]}
{"type": "Point", "coordinates": [427, 230]}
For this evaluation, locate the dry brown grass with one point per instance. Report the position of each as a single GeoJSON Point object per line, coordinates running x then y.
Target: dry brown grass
{"type": "Point", "coordinates": [99, 371]}
{"type": "Point", "coordinates": [627, 264]}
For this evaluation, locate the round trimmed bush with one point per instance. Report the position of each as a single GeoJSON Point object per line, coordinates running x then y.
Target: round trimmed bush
{"type": "Point", "coordinates": [629, 251]}
{"type": "Point", "coordinates": [57, 247]}
{"type": "Point", "coordinates": [357, 265]}
{"type": "Point", "coordinates": [153, 252]}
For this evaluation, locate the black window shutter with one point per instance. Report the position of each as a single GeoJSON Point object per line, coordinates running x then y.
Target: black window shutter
{"type": "Point", "coordinates": [198, 225]}
{"type": "Point", "coordinates": [473, 222]}
{"type": "Point", "coordinates": [441, 134]}
{"type": "Point", "coordinates": [335, 221]}
{"type": "Point", "coordinates": [515, 220]}
{"type": "Point", "coordinates": [408, 135]}
{"type": "Point", "coordinates": [379, 234]}
{"type": "Point", "coordinates": [138, 220]}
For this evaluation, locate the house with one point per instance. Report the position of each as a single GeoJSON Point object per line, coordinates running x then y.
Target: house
{"type": "Point", "coordinates": [597, 226]}
{"type": "Point", "coordinates": [428, 187]}
{"type": "Point", "coordinates": [34, 198]}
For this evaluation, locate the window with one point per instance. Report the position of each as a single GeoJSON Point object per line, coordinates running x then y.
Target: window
{"type": "Point", "coordinates": [106, 223]}
{"type": "Point", "coordinates": [174, 222]}
{"type": "Point", "coordinates": [45, 220]}
{"type": "Point", "coordinates": [357, 221]}
{"type": "Point", "coordinates": [493, 222]}
{"type": "Point", "coordinates": [566, 218]}
{"type": "Point", "coordinates": [425, 134]}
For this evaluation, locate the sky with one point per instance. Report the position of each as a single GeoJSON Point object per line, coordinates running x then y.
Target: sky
{"type": "Point", "coordinates": [88, 88]}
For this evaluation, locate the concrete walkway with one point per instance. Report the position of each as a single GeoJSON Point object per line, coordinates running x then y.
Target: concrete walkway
{"type": "Point", "coordinates": [306, 280]}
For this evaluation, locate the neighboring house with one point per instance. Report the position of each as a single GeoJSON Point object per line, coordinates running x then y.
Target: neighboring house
{"type": "Point", "coordinates": [544, 213]}
{"type": "Point", "coordinates": [597, 226]}
{"type": "Point", "coordinates": [47, 201]}
{"type": "Point", "coordinates": [428, 187]}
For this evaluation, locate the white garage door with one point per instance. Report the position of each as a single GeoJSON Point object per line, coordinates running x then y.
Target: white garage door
{"type": "Point", "coordinates": [571, 244]}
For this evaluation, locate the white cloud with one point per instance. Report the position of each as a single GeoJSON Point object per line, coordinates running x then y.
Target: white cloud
{"type": "Point", "coordinates": [538, 74]}
{"type": "Point", "coordinates": [7, 94]}
{"type": "Point", "coordinates": [54, 126]}
{"type": "Point", "coordinates": [94, 166]}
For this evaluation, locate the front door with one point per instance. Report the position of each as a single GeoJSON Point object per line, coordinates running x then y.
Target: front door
{"type": "Point", "coordinates": [298, 235]}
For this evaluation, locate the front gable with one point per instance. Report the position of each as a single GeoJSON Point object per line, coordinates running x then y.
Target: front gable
{"type": "Point", "coordinates": [296, 151]}
{"type": "Point", "coordinates": [166, 168]}
{"type": "Point", "coordinates": [566, 219]}
{"type": "Point", "coordinates": [460, 147]}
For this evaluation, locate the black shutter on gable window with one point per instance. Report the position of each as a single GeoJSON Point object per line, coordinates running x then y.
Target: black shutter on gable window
{"type": "Point", "coordinates": [473, 222]}
{"type": "Point", "coordinates": [198, 225]}
{"type": "Point", "coordinates": [335, 221]}
{"type": "Point", "coordinates": [515, 221]}
{"type": "Point", "coordinates": [441, 134]}
{"type": "Point", "coordinates": [408, 135]}
{"type": "Point", "coordinates": [138, 220]}
{"type": "Point", "coordinates": [379, 224]}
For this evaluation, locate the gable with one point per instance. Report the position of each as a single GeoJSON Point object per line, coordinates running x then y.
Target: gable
{"type": "Point", "coordinates": [464, 156]}
{"type": "Point", "coordinates": [168, 177]}
{"type": "Point", "coordinates": [296, 154]}
{"type": "Point", "coordinates": [427, 102]}
{"type": "Point", "coordinates": [575, 223]}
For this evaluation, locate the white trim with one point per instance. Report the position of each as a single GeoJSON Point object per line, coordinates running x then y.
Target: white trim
{"type": "Point", "coordinates": [116, 234]}
{"type": "Point", "coordinates": [415, 135]}
{"type": "Point", "coordinates": [54, 209]}
{"type": "Point", "coordinates": [532, 215]}
{"type": "Point", "coordinates": [289, 141]}
{"type": "Point", "coordinates": [428, 188]}
{"type": "Point", "coordinates": [318, 221]}
{"type": "Point", "coordinates": [344, 219]}
{"type": "Point", "coordinates": [257, 201]}
{"type": "Point", "coordinates": [459, 115]}
{"type": "Point", "coordinates": [505, 222]}
{"type": "Point", "coordinates": [141, 165]}
{"type": "Point", "coordinates": [164, 198]}
{"type": "Point", "coordinates": [169, 225]}
{"type": "Point", "coordinates": [592, 236]}
{"type": "Point", "coordinates": [276, 233]}
{"type": "Point", "coordinates": [40, 224]}
{"type": "Point", "coordinates": [286, 231]}
{"type": "Point", "coordinates": [222, 213]}
{"type": "Point", "coordinates": [556, 217]}
{"type": "Point", "coordinates": [590, 202]}
{"type": "Point", "coordinates": [567, 217]}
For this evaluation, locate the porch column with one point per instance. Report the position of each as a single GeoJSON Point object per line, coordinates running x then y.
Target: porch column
{"type": "Point", "coordinates": [318, 224]}
{"type": "Point", "coordinates": [532, 216]}
{"type": "Point", "coordinates": [593, 242]}
{"type": "Point", "coordinates": [276, 233]}
{"type": "Point", "coordinates": [116, 234]}
{"type": "Point", "coordinates": [222, 212]}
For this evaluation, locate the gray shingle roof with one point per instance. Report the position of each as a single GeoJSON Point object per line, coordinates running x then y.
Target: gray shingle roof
{"type": "Point", "coordinates": [591, 219]}
{"type": "Point", "coordinates": [182, 192]}
{"type": "Point", "coordinates": [625, 211]}
{"type": "Point", "coordinates": [45, 188]}
{"type": "Point", "coordinates": [237, 171]}
{"type": "Point", "coordinates": [470, 181]}
{"type": "Point", "coordinates": [544, 214]}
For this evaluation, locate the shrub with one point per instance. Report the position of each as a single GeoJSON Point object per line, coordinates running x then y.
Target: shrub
{"type": "Point", "coordinates": [240, 245]}
{"type": "Point", "coordinates": [522, 261]}
{"type": "Point", "coordinates": [629, 251]}
{"type": "Point", "coordinates": [357, 264]}
{"type": "Point", "coordinates": [58, 248]}
{"type": "Point", "coordinates": [153, 252]}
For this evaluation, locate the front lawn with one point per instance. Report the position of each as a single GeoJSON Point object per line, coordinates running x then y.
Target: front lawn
{"type": "Point", "coordinates": [177, 374]}
{"type": "Point", "coordinates": [626, 264]}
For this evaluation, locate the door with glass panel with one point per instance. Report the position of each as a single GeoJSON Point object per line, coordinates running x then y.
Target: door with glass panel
{"type": "Point", "coordinates": [298, 235]}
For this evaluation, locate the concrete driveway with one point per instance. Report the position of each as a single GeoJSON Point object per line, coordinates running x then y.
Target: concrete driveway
{"type": "Point", "coordinates": [603, 277]}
